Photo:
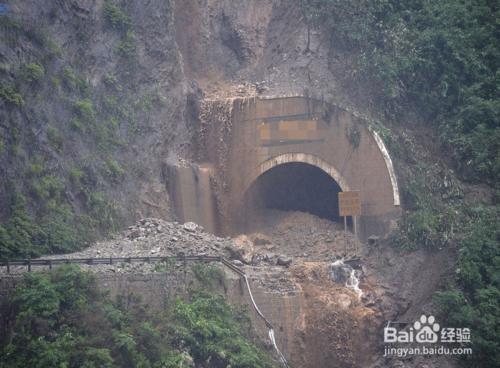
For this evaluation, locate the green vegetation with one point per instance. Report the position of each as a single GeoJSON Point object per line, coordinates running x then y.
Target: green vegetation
{"type": "Point", "coordinates": [46, 223]}
{"type": "Point", "coordinates": [85, 109]}
{"type": "Point", "coordinates": [437, 60]}
{"type": "Point", "coordinates": [209, 275]}
{"type": "Point", "coordinates": [75, 176]}
{"type": "Point", "coordinates": [126, 47]}
{"type": "Point", "coordinates": [212, 331]}
{"type": "Point", "coordinates": [438, 57]}
{"type": "Point", "coordinates": [55, 230]}
{"type": "Point", "coordinates": [111, 80]}
{"type": "Point", "coordinates": [119, 20]}
{"type": "Point", "coordinates": [32, 72]}
{"type": "Point", "coordinates": [55, 138]}
{"type": "Point", "coordinates": [475, 300]}
{"type": "Point", "coordinates": [75, 82]}
{"type": "Point", "coordinates": [116, 17]}
{"type": "Point", "coordinates": [10, 95]}
{"type": "Point", "coordinates": [166, 266]}
{"type": "Point", "coordinates": [434, 209]}
{"type": "Point", "coordinates": [114, 169]}
{"type": "Point", "coordinates": [54, 199]}
{"type": "Point", "coordinates": [47, 187]}
{"type": "Point", "coordinates": [60, 319]}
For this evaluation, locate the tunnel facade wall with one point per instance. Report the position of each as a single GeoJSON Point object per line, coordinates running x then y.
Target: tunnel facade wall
{"type": "Point", "coordinates": [266, 132]}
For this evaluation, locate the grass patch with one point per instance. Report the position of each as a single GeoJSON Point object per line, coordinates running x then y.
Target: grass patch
{"type": "Point", "coordinates": [32, 73]}
{"type": "Point", "coordinates": [10, 95]}
{"type": "Point", "coordinates": [115, 17]}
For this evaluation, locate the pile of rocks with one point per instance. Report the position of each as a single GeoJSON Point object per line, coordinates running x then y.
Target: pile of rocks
{"type": "Point", "coordinates": [155, 237]}
{"type": "Point", "coordinates": [151, 237]}
{"type": "Point", "coordinates": [299, 234]}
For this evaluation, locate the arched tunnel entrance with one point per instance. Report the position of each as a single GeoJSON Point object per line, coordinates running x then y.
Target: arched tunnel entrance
{"type": "Point", "coordinates": [293, 186]}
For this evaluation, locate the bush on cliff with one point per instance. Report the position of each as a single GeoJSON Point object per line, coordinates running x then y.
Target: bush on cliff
{"type": "Point", "coordinates": [61, 319]}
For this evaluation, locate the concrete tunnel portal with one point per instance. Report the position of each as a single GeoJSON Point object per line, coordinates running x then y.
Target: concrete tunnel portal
{"type": "Point", "coordinates": [294, 186]}
{"type": "Point", "coordinates": [287, 153]}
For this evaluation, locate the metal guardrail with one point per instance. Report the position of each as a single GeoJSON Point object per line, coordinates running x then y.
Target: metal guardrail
{"type": "Point", "coordinates": [112, 260]}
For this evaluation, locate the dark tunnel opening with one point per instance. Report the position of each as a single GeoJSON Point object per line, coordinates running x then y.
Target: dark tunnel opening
{"type": "Point", "coordinates": [295, 187]}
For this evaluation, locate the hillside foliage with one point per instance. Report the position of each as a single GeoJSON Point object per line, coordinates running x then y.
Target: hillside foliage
{"type": "Point", "coordinates": [438, 59]}
{"type": "Point", "coordinates": [63, 138]}
{"type": "Point", "coordinates": [61, 319]}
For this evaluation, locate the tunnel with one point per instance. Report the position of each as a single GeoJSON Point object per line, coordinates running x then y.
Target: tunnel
{"type": "Point", "coordinates": [294, 186]}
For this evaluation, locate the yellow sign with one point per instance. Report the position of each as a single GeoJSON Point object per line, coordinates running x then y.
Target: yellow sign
{"type": "Point", "coordinates": [349, 203]}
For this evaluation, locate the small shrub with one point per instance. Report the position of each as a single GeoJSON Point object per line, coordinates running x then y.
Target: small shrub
{"type": "Point", "coordinates": [36, 167]}
{"type": "Point", "coordinates": [102, 212]}
{"type": "Point", "coordinates": [69, 77]}
{"type": "Point", "coordinates": [166, 266]}
{"type": "Point", "coordinates": [209, 275]}
{"type": "Point", "coordinates": [76, 124]}
{"type": "Point", "coordinates": [116, 17]}
{"type": "Point", "coordinates": [32, 72]}
{"type": "Point", "coordinates": [85, 109]}
{"type": "Point", "coordinates": [54, 50]}
{"type": "Point", "coordinates": [55, 81]}
{"type": "Point", "coordinates": [114, 170]}
{"type": "Point", "coordinates": [10, 95]}
{"type": "Point", "coordinates": [55, 138]}
{"type": "Point", "coordinates": [126, 47]}
{"type": "Point", "coordinates": [4, 68]}
{"type": "Point", "coordinates": [111, 80]}
{"type": "Point", "coordinates": [74, 82]}
{"type": "Point", "coordinates": [75, 175]}
{"type": "Point", "coordinates": [48, 186]}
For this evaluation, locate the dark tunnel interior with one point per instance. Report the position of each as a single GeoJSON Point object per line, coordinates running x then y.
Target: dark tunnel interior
{"type": "Point", "coordinates": [295, 187]}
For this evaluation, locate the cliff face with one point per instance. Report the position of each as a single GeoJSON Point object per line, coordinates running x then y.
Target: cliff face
{"type": "Point", "coordinates": [92, 102]}
{"type": "Point", "coordinates": [96, 95]}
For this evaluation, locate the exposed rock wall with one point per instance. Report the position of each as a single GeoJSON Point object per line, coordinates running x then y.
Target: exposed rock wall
{"type": "Point", "coordinates": [106, 111]}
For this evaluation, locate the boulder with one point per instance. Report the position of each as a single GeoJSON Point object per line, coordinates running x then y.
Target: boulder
{"type": "Point", "coordinates": [190, 227]}
{"type": "Point", "coordinates": [241, 249]}
{"type": "Point", "coordinates": [284, 261]}
{"type": "Point", "coordinates": [340, 272]}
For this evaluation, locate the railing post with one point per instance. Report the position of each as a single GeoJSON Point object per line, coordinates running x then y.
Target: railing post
{"type": "Point", "coordinates": [29, 265]}
{"type": "Point", "coordinates": [8, 267]}
{"type": "Point", "coordinates": [185, 263]}
{"type": "Point", "coordinates": [110, 260]}
{"type": "Point", "coordinates": [50, 264]}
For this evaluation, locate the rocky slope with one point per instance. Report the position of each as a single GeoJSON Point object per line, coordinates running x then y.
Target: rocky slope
{"type": "Point", "coordinates": [92, 104]}
{"type": "Point", "coordinates": [96, 96]}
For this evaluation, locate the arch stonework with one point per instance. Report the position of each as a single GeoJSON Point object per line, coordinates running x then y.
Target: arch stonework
{"type": "Point", "coordinates": [306, 159]}
{"type": "Point", "coordinates": [262, 133]}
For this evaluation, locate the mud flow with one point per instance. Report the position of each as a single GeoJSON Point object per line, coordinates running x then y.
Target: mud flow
{"type": "Point", "coordinates": [290, 217]}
